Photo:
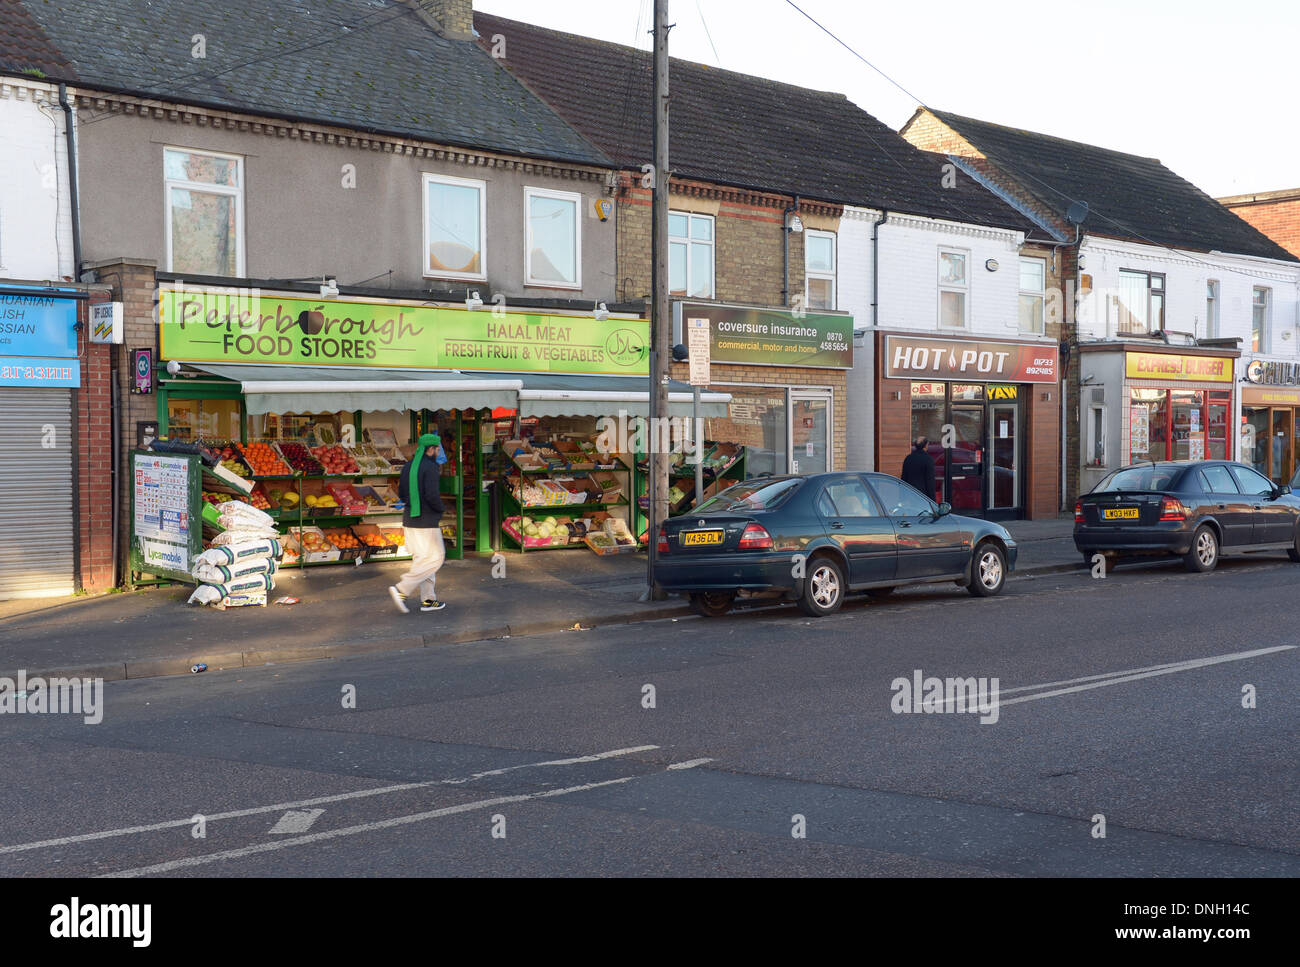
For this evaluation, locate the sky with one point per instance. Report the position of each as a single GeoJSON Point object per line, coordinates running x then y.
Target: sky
{"type": "Point", "coordinates": [1210, 87]}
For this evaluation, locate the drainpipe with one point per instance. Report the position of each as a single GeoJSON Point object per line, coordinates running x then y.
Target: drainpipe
{"type": "Point", "coordinates": [71, 141]}
{"type": "Point", "coordinates": [785, 254]}
{"type": "Point", "coordinates": [875, 267]}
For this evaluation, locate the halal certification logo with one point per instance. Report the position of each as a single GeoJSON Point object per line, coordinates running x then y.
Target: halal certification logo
{"type": "Point", "coordinates": [626, 347]}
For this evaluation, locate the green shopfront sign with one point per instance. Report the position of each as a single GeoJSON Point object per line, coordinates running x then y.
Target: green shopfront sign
{"type": "Point", "coordinates": [205, 325]}
{"type": "Point", "coordinates": [771, 337]}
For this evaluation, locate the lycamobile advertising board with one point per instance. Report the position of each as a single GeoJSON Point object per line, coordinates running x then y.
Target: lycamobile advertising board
{"type": "Point", "coordinates": [771, 337]}
{"type": "Point", "coordinates": [244, 326]}
{"type": "Point", "coordinates": [166, 513]}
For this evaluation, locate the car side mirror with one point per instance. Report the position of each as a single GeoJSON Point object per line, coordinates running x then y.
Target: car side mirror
{"type": "Point", "coordinates": [944, 509]}
{"type": "Point", "coordinates": [1282, 491]}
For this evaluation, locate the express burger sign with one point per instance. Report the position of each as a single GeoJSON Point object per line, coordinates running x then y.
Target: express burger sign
{"type": "Point", "coordinates": [907, 357]}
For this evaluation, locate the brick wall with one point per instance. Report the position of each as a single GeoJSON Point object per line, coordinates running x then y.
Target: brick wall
{"type": "Point", "coordinates": [749, 231]}
{"type": "Point", "coordinates": [1279, 220]}
{"type": "Point", "coordinates": [93, 418]}
{"type": "Point", "coordinates": [134, 283]}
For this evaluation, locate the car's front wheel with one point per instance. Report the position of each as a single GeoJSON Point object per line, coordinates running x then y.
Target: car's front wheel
{"type": "Point", "coordinates": [1203, 555]}
{"type": "Point", "coordinates": [988, 568]}
{"type": "Point", "coordinates": [823, 588]}
{"type": "Point", "coordinates": [713, 605]}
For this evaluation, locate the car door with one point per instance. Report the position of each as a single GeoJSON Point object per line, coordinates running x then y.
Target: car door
{"type": "Point", "coordinates": [856, 523]}
{"type": "Point", "coordinates": [1234, 511]}
{"type": "Point", "coordinates": [928, 545]}
{"type": "Point", "coordinates": [1274, 520]}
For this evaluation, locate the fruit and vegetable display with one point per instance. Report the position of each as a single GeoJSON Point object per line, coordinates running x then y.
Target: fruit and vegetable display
{"type": "Point", "coordinates": [335, 460]}
{"type": "Point", "coordinates": [380, 539]}
{"type": "Point", "coordinates": [320, 502]}
{"type": "Point", "coordinates": [369, 461]}
{"type": "Point", "coordinates": [343, 540]}
{"type": "Point", "coordinates": [217, 499]}
{"type": "Point", "coordinates": [300, 459]}
{"type": "Point", "coordinates": [263, 459]}
{"type": "Point", "coordinates": [228, 456]}
{"type": "Point", "coordinates": [311, 541]}
{"type": "Point", "coordinates": [258, 499]}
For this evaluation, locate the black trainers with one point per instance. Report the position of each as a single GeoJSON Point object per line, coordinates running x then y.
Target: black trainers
{"type": "Point", "coordinates": [432, 605]}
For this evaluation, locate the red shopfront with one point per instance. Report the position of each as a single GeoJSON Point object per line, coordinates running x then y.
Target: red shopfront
{"type": "Point", "coordinates": [990, 410]}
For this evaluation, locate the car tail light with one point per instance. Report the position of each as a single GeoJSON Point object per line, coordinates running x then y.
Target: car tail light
{"type": "Point", "coordinates": [1078, 512]}
{"type": "Point", "coordinates": [755, 538]}
{"type": "Point", "coordinates": [662, 544]}
{"type": "Point", "coordinates": [1171, 509]}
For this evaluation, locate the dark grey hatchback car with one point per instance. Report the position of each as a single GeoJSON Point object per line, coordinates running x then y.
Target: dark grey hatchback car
{"type": "Point", "coordinates": [1197, 511]}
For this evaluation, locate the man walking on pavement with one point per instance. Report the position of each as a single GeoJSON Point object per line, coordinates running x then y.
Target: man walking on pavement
{"type": "Point", "coordinates": [918, 469]}
{"type": "Point", "coordinates": [420, 522]}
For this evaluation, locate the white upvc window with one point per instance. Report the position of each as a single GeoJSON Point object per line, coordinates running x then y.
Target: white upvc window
{"type": "Point", "coordinates": [819, 269]}
{"type": "Point", "coordinates": [954, 288]}
{"type": "Point", "coordinates": [690, 255]}
{"type": "Point", "coordinates": [1033, 289]}
{"type": "Point", "coordinates": [1261, 305]}
{"type": "Point", "coordinates": [554, 243]}
{"type": "Point", "coordinates": [455, 228]}
{"type": "Point", "coordinates": [1211, 308]}
{"type": "Point", "coordinates": [204, 205]}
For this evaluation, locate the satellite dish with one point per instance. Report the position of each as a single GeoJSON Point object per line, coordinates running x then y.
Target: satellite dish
{"type": "Point", "coordinates": [1077, 213]}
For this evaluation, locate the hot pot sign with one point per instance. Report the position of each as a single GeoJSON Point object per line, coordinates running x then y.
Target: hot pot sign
{"type": "Point", "coordinates": [241, 326]}
{"type": "Point", "coordinates": [969, 361]}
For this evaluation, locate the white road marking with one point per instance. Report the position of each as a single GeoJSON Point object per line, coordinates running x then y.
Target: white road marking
{"type": "Point", "coordinates": [1115, 678]}
{"type": "Point", "coordinates": [318, 801]}
{"type": "Point", "coordinates": [357, 830]}
{"type": "Point", "coordinates": [690, 764]}
{"type": "Point", "coordinates": [296, 821]}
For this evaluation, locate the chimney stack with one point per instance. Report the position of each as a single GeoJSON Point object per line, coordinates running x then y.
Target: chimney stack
{"type": "Point", "coordinates": [454, 19]}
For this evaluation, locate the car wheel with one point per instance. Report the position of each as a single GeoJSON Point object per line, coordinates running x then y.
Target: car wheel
{"type": "Point", "coordinates": [1293, 552]}
{"type": "Point", "coordinates": [713, 605]}
{"type": "Point", "coordinates": [823, 588]}
{"type": "Point", "coordinates": [1203, 555]}
{"type": "Point", "coordinates": [988, 570]}
{"type": "Point", "coordinates": [881, 592]}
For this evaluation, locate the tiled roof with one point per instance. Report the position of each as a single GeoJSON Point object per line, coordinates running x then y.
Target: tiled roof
{"type": "Point", "coordinates": [1129, 196]}
{"type": "Point", "coordinates": [735, 129]}
{"type": "Point", "coordinates": [368, 65]}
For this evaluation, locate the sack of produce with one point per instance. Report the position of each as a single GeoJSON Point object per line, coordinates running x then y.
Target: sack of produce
{"type": "Point", "coordinates": [243, 551]}
{"type": "Point", "coordinates": [242, 535]}
{"type": "Point", "coordinates": [240, 586]}
{"type": "Point", "coordinates": [205, 594]}
{"type": "Point", "coordinates": [225, 573]}
{"type": "Point", "coordinates": [243, 515]}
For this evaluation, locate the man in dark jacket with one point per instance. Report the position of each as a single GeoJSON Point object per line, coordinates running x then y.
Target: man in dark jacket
{"type": "Point", "coordinates": [421, 520]}
{"type": "Point", "coordinates": [918, 469]}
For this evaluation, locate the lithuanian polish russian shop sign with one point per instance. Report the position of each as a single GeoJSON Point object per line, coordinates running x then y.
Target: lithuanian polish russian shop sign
{"type": "Point", "coordinates": [908, 357]}
{"type": "Point", "coordinates": [771, 337]}
{"type": "Point", "coordinates": [243, 326]}
{"type": "Point", "coordinates": [38, 338]}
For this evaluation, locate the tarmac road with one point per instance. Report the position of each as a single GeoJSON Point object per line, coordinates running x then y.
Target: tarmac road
{"type": "Point", "coordinates": [1119, 698]}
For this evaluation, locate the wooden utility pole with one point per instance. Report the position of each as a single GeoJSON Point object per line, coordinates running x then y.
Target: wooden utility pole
{"type": "Point", "coordinates": [660, 328]}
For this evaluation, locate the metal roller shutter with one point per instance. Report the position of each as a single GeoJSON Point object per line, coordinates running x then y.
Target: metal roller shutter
{"type": "Point", "coordinates": [36, 533]}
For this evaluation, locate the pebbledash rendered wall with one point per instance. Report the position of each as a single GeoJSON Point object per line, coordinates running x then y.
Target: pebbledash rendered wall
{"type": "Point", "coordinates": [300, 219]}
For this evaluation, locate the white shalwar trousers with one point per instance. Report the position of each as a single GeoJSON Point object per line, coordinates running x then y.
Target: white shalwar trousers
{"type": "Point", "coordinates": [427, 555]}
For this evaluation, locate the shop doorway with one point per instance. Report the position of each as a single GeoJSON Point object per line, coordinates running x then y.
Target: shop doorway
{"type": "Point", "coordinates": [980, 473]}
{"type": "Point", "coordinates": [810, 431]}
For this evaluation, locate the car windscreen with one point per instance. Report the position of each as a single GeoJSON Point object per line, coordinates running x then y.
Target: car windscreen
{"type": "Point", "coordinates": [752, 495]}
{"type": "Point", "coordinates": [1141, 478]}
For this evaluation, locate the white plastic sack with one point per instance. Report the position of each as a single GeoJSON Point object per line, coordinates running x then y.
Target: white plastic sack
{"type": "Point", "coordinates": [244, 535]}
{"type": "Point", "coordinates": [242, 514]}
{"type": "Point", "coordinates": [205, 594]}
{"type": "Point", "coordinates": [225, 573]}
{"type": "Point", "coordinates": [243, 551]}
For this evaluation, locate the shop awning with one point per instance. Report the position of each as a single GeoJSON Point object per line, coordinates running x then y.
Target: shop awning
{"type": "Point", "coordinates": [547, 395]}
{"type": "Point", "coordinates": [314, 389]}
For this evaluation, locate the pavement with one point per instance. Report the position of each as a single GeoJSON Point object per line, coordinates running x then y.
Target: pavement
{"type": "Point", "coordinates": [345, 610]}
